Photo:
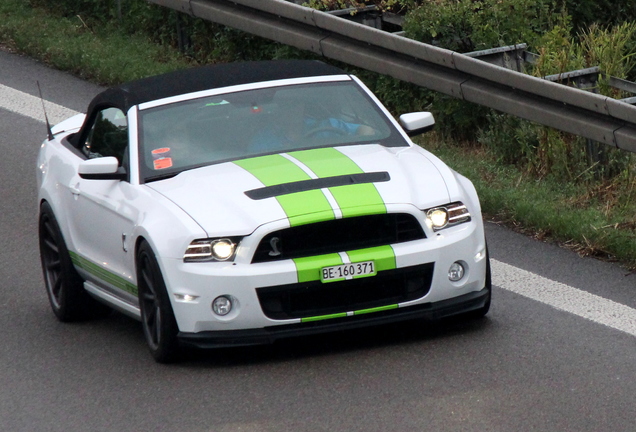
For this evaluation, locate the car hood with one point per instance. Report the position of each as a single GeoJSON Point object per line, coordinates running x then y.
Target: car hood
{"type": "Point", "coordinates": [235, 198]}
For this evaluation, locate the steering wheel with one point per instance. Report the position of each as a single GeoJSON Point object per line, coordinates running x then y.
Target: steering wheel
{"type": "Point", "coordinates": [320, 129]}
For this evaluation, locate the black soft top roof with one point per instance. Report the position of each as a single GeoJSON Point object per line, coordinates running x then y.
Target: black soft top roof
{"type": "Point", "coordinates": [206, 77]}
{"type": "Point", "coordinates": [201, 78]}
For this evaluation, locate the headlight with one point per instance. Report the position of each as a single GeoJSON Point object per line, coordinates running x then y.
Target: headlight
{"type": "Point", "coordinates": [445, 216]}
{"type": "Point", "coordinates": [222, 249]}
{"type": "Point", "coordinates": [438, 217]}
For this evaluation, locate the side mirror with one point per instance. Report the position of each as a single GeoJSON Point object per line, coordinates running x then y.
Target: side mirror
{"type": "Point", "coordinates": [103, 168]}
{"type": "Point", "coordinates": [417, 123]}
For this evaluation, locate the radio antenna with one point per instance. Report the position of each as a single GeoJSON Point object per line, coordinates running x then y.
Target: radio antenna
{"type": "Point", "coordinates": [46, 118]}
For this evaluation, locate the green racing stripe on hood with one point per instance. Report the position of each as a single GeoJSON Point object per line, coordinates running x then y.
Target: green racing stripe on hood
{"type": "Point", "coordinates": [313, 206]}
{"type": "Point", "coordinates": [300, 206]}
{"type": "Point", "coordinates": [329, 162]}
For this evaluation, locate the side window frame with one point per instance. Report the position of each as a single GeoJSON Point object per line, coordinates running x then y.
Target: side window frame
{"type": "Point", "coordinates": [108, 136]}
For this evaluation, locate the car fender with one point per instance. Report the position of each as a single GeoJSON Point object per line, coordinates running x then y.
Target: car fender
{"type": "Point", "coordinates": [470, 198]}
{"type": "Point", "coordinates": [51, 188]}
{"type": "Point", "coordinates": [164, 225]}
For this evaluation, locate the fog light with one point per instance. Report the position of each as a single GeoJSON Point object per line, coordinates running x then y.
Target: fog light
{"type": "Point", "coordinates": [455, 272]}
{"type": "Point", "coordinates": [222, 305]}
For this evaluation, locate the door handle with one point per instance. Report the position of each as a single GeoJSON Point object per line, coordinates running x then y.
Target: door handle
{"type": "Point", "coordinates": [75, 190]}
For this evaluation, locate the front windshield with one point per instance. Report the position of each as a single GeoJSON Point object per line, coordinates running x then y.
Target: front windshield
{"type": "Point", "coordinates": [232, 126]}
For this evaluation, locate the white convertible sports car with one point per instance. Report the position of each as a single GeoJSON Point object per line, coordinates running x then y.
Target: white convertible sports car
{"type": "Point", "coordinates": [237, 204]}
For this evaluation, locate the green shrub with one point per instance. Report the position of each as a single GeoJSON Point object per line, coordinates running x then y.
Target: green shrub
{"type": "Point", "coordinates": [609, 49]}
{"type": "Point", "coordinates": [606, 12]}
{"type": "Point", "coordinates": [328, 5]}
{"type": "Point", "coordinates": [468, 25]}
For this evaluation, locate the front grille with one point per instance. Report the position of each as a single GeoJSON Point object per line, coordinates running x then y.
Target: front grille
{"type": "Point", "coordinates": [338, 235]}
{"type": "Point", "coordinates": [315, 298]}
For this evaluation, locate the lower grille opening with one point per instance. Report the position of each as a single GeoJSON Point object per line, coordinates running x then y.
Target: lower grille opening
{"type": "Point", "coordinates": [315, 298]}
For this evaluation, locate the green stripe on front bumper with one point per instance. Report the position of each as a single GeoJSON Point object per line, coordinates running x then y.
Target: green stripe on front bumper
{"type": "Point", "coordinates": [329, 162]}
{"type": "Point", "coordinates": [309, 268]}
{"type": "Point", "coordinates": [344, 314]}
{"type": "Point", "coordinates": [324, 317]}
{"type": "Point", "coordinates": [377, 309]}
{"type": "Point", "coordinates": [301, 207]}
{"type": "Point", "coordinates": [103, 274]}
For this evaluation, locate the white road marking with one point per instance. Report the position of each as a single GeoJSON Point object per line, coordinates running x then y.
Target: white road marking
{"type": "Point", "coordinates": [564, 297]}
{"type": "Point", "coordinates": [31, 106]}
{"type": "Point", "coordinates": [505, 276]}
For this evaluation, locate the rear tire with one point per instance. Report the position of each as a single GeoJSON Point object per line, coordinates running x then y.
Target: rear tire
{"type": "Point", "coordinates": [64, 286]}
{"type": "Point", "coordinates": [157, 318]}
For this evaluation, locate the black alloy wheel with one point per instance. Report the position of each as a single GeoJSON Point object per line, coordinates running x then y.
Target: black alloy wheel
{"type": "Point", "coordinates": [64, 286]}
{"type": "Point", "coordinates": [157, 318]}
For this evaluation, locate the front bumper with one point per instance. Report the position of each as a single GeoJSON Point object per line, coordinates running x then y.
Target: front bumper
{"type": "Point", "coordinates": [267, 335]}
{"type": "Point", "coordinates": [257, 289]}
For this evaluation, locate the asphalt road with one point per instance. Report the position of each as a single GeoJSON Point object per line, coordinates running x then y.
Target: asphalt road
{"type": "Point", "coordinates": [529, 366]}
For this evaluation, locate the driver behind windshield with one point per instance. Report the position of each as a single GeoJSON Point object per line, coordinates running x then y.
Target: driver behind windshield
{"type": "Point", "coordinates": [295, 125]}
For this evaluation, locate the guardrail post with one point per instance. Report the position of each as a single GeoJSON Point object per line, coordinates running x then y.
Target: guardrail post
{"type": "Point", "coordinates": [119, 15]}
{"type": "Point", "coordinates": [510, 57]}
{"type": "Point", "coordinates": [596, 153]}
{"type": "Point", "coordinates": [183, 39]}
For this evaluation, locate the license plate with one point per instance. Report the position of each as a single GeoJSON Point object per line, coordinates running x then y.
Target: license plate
{"type": "Point", "coordinates": [347, 271]}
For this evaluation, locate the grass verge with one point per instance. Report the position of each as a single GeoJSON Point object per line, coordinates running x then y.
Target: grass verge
{"type": "Point", "coordinates": [597, 221]}
{"type": "Point", "coordinates": [591, 222]}
{"type": "Point", "coordinates": [103, 55]}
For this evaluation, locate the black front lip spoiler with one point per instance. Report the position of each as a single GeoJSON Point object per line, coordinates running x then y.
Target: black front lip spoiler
{"type": "Point", "coordinates": [267, 335]}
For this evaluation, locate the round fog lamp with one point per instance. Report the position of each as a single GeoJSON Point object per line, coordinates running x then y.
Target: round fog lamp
{"type": "Point", "coordinates": [222, 305]}
{"type": "Point", "coordinates": [456, 272]}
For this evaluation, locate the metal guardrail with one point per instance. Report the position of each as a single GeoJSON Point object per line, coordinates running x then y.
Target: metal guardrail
{"type": "Point", "coordinates": [515, 57]}
{"type": "Point", "coordinates": [586, 114]}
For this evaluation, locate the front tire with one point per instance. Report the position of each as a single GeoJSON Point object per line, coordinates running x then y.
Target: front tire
{"type": "Point", "coordinates": [64, 286]}
{"type": "Point", "coordinates": [157, 318]}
